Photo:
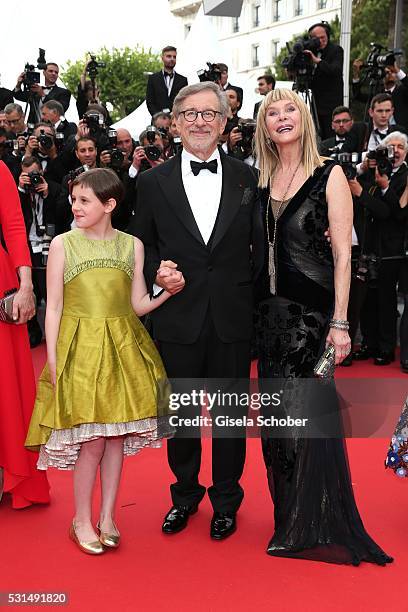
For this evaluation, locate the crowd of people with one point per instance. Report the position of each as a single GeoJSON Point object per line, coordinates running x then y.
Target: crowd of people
{"type": "Point", "coordinates": [230, 237]}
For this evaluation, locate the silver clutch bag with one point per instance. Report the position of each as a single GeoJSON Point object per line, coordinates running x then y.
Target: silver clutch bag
{"type": "Point", "coordinates": [326, 365]}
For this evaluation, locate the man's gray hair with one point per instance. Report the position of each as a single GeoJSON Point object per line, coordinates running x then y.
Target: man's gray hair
{"type": "Point", "coordinates": [396, 136]}
{"type": "Point", "coordinates": [191, 90]}
{"type": "Point", "coordinates": [12, 107]}
{"type": "Point", "coordinates": [54, 105]}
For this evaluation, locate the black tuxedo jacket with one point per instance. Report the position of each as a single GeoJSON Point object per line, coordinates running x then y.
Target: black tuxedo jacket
{"type": "Point", "coordinates": [60, 94]}
{"type": "Point", "coordinates": [157, 97]}
{"type": "Point", "coordinates": [6, 97]}
{"type": "Point", "coordinates": [256, 109]}
{"type": "Point", "coordinates": [218, 275]}
{"type": "Point", "coordinates": [327, 80]}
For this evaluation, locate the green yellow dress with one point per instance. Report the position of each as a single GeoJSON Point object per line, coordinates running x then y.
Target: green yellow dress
{"type": "Point", "coordinates": [110, 377]}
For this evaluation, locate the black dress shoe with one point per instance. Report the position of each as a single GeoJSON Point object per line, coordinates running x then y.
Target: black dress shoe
{"type": "Point", "coordinates": [347, 361]}
{"type": "Point", "coordinates": [363, 353]}
{"type": "Point", "coordinates": [404, 367]}
{"type": "Point", "coordinates": [383, 359]}
{"type": "Point", "coordinates": [223, 524]}
{"type": "Point", "coordinates": [177, 518]}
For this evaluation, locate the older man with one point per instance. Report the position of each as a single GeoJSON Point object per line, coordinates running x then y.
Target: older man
{"type": "Point", "coordinates": [198, 211]}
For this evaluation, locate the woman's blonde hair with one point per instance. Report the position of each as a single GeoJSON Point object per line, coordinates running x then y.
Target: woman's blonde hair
{"type": "Point", "coordinates": [266, 151]}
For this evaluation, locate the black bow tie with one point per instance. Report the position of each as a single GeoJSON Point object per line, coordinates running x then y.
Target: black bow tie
{"type": "Point", "coordinates": [382, 136]}
{"type": "Point", "coordinates": [196, 167]}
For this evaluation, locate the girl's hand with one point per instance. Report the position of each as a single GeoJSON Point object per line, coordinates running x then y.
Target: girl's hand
{"type": "Point", "coordinates": [340, 339]}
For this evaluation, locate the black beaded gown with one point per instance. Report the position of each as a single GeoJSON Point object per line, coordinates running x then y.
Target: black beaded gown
{"type": "Point", "coordinates": [316, 516]}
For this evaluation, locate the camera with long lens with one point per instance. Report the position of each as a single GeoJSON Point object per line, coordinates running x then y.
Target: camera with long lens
{"type": "Point", "coordinates": [117, 156]}
{"type": "Point", "coordinates": [35, 179]}
{"type": "Point", "coordinates": [347, 161]}
{"type": "Point", "coordinates": [378, 59]}
{"type": "Point", "coordinates": [366, 269]}
{"type": "Point", "coordinates": [93, 66]}
{"type": "Point", "coordinates": [244, 147]}
{"type": "Point", "coordinates": [31, 75]}
{"type": "Point", "coordinates": [94, 121]}
{"type": "Point", "coordinates": [385, 158]}
{"type": "Point", "coordinates": [152, 151]}
{"type": "Point", "coordinates": [212, 73]}
{"type": "Point", "coordinates": [298, 63]}
{"type": "Point", "coordinates": [45, 140]}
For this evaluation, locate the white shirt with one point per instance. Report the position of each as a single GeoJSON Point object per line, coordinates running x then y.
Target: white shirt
{"type": "Point", "coordinates": [203, 191]}
{"type": "Point", "coordinates": [32, 236]}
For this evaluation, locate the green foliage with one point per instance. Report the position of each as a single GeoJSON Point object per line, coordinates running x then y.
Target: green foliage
{"type": "Point", "coordinates": [369, 24]}
{"type": "Point", "coordinates": [121, 82]}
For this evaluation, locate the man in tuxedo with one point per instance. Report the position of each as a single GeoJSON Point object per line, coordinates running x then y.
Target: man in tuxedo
{"type": "Point", "coordinates": [327, 78]}
{"type": "Point", "coordinates": [53, 112]}
{"type": "Point", "coordinates": [348, 136]}
{"type": "Point", "coordinates": [43, 93]}
{"type": "Point", "coordinates": [225, 84]}
{"type": "Point", "coordinates": [266, 83]}
{"type": "Point", "coordinates": [381, 111]}
{"type": "Point", "coordinates": [163, 86]}
{"type": "Point", "coordinates": [198, 211]}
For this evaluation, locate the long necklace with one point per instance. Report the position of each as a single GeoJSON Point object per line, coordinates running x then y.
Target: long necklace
{"type": "Point", "coordinates": [272, 243]}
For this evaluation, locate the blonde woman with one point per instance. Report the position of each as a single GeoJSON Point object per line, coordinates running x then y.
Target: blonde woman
{"type": "Point", "coordinates": [302, 306]}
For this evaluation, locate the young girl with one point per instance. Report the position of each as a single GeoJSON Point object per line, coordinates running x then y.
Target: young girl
{"type": "Point", "coordinates": [103, 392]}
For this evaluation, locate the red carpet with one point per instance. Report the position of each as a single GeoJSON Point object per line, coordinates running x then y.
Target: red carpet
{"type": "Point", "coordinates": [186, 572]}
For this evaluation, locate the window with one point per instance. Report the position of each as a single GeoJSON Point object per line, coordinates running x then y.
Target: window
{"type": "Point", "coordinates": [276, 10]}
{"type": "Point", "coordinates": [255, 15]}
{"type": "Point", "coordinates": [255, 56]}
{"type": "Point", "coordinates": [321, 4]}
{"type": "Point", "coordinates": [235, 24]}
{"type": "Point", "coordinates": [299, 7]}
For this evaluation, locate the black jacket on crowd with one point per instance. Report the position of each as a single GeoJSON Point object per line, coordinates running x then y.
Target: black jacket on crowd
{"type": "Point", "coordinates": [157, 96]}
{"type": "Point", "coordinates": [327, 80]}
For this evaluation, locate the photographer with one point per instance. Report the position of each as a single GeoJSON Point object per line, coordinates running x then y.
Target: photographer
{"type": "Point", "coordinates": [240, 141]}
{"type": "Point", "coordinates": [40, 94]}
{"type": "Point", "coordinates": [383, 182]}
{"type": "Point", "coordinates": [394, 83]}
{"type": "Point", "coordinates": [348, 136]}
{"type": "Point", "coordinates": [42, 144]}
{"type": "Point", "coordinates": [149, 153]}
{"type": "Point", "coordinates": [88, 92]}
{"type": "Point", "coordinates": [53, 112]}
{"type": "Point", "coordinates": [38, 200]}
{"type": "Point", "coordinates": [6, 154]}
{"type": "Point", "coordinates": [15, 119]}
{"type": "Point", "coordinates": [163, 86]}
{"type": "Point", "coordinates": [266, 83]}
{"type": "Point", "coordinates": [327, 76]}
{"type": "Point", "coordinates": [224, 84]}
{"type": "Point", "coordinates": [85, 154]}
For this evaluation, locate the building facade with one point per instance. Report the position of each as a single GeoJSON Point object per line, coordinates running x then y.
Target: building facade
{"type": "Point", "coordinates": [254, 39]}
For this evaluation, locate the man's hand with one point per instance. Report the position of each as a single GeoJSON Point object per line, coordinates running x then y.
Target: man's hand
{"type": "Point", "coordinates": [234, 137]}
{"type": "Point", "coordinates": [169, 278]}
{"type": "Point", "coordinates": [382, 180]}
{"type": "Point", "coordinates": [24, 180]}
{"type": "Point", "coordinates": [313, 57]}
{"type": "Point", "coordinates": [105, 158]}
{"type": "Point", "coordinates": [357, 65]}
{"type": "Point", "coordinates": [20, 80]}
{"type": "Point", "coordinates": [42, 188]}
{"type": "Point", "coordinates": [138, 155]}
{"type": "Point", "coordinates": [37, 89]}
{"type": "Point", "coordinates": [355, 187]}
{"type": "Point", "coordinates": [32, 145]}
{"type": "Point", "coordinates": [82, 130]}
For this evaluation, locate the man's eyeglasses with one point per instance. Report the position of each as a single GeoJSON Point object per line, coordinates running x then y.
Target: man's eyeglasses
{"type": "Point", "coordinates": [207, 115]}
{"type": "Point", "coordinates": [341, 121]}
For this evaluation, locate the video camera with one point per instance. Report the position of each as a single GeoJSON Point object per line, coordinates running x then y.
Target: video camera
{"type": "Point", "coordinates": [117, 156]}
{"type": "Point", "coordinates": [347, 161]}
{"type": "Point", "coordinates": [93, 66]}
{"type": "Point", "coordinates": [31, 76]}
{"type": "Point", "coordinates": [376, 61]}
{"type": "Point", "coordinates": [300, 63]}
{"type": "Point", "coordinates": [213, 73]}
{"type": "Point", "coordinates": [385, 158]}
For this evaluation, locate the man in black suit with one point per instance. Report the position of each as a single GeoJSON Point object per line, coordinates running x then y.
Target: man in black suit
{"type": "Point", "coordinates": [6, 97]}
{"type": "Point", "coordinates": [381, 111]}
{"type": "Point", "coordinates": [199, 211]}
{"type": "Point", "coordinates": [348, 136]}
{"type": "Point", "coordinates": [163, 86]}
{"type": "Point", "coordinates": [225, 84]}
{"type": "Point", "coordinates": [53, 112]}
{"type": "Point", "coordinates": [40, 94]}
{"type": "Point", "coordinates": [327, 78]}
{"type": "Point", "coordinates": [266, 83]}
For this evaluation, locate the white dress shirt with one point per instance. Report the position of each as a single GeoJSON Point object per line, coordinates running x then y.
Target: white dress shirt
{"type": "Point", "coordinates": [203, 191]}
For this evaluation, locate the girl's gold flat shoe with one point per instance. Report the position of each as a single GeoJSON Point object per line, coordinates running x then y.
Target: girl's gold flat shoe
{"type": "Point", "coordinates": [91, 548]}
{"type": "Point", "coordinates": [111, 540]}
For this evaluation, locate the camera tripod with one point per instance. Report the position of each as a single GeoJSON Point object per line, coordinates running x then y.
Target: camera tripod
{"type": "Point", "coordinates": [302, 86]}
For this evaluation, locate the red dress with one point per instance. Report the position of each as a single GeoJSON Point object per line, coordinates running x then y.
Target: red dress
{"type": "Point", "coordinates": [22, 480]}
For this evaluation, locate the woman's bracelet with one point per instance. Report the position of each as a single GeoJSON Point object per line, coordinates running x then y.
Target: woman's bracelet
{"type": "Point", "coordinates": [339, 324]}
